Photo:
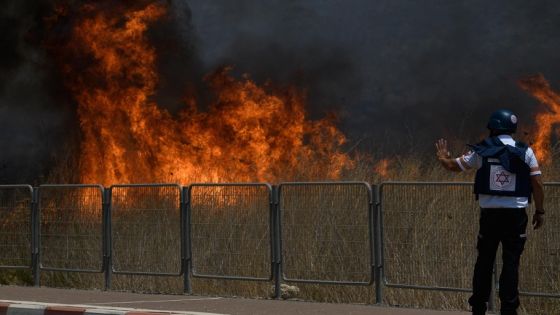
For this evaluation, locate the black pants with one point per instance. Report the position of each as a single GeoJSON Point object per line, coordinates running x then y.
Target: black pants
{"type": "Point", "coordinates": [507, 226]}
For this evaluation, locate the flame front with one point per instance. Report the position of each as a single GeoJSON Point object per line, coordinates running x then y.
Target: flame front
{"type": "Point", "coordinates": [247, 133]}
{"type": "Point", "coordinates": [382, 168]}
{"type": "Point", "coordinates": [545, 120]}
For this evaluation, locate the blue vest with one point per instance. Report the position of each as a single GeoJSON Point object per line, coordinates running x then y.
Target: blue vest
{"type": "Point", "coordinates": [504, 171]}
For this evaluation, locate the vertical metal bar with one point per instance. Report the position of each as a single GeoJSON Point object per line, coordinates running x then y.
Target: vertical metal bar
{"type": "Point", "coordinates": [272, 233]}
{"type": "Point", "coordinates": [108, 259]}
{"type": "Point", "coordinates": [186, 235]}
{"type": "Point", "coordinates": [371, 234]}
{"type": "Point", "coordinates": [183, 244]}
{"type": "Point", "coordinates": [35, 236]}
{"type": "Point", "coordinates": [380, 241]}
{"type": "Point", "coordinates": [276, 242]}
{"type": "Point", "coordinates": [104, 237]}
{"type": "Point", "coordinates": [378, 245]}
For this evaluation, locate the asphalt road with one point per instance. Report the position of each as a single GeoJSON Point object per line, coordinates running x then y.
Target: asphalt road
{"type": "Point", "coordinates": [216, 305]}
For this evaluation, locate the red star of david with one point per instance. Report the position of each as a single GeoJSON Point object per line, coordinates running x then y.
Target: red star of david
{"type": "Point", "coordinates": [502, 178]}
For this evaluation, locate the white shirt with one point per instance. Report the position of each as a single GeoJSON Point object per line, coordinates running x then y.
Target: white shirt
{"type": "Point", "coordinates": [473, 160]}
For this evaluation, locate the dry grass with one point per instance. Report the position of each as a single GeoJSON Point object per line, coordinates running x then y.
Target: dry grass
{"type": "Point", "coordinates": [430, 234]}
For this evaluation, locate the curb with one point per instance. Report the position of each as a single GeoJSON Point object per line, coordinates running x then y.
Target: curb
{"type": "Point", "coordinates": [35, 308]}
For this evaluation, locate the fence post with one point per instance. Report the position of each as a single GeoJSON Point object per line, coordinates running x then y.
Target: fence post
{"type": "Point", "coordinates": [186, 235]}
{"type": "Point", "coordinates": [108, 244]}
{"type": "Point", "coordinates": [378, 245]}
{"type": "Point", "coordinates": [276, 241]}
{"type": "Point", "coordinates": [35, 236]}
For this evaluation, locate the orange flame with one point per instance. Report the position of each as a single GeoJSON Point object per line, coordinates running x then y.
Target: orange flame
{"type": "Point", "coordinates": [247, 134]}
{"type": "Point", "coordinates": [382, 168]}
{"type": "Point", "coordinates": [547, 119]}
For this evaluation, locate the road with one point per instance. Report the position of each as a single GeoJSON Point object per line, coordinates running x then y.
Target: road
{"type": "Point", "coordinates": [183, 303]}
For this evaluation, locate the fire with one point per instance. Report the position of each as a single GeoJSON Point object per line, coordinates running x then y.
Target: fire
{"type": "Point", "coordinates": [547, 119]}
{"type": "Point", "coordinates": [382, 168]}
{"type": "Point", "coordinates": [247, 133]}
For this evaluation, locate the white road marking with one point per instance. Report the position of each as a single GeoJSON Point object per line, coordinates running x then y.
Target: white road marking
{"type": "Point", "coordinates": [89, 307]}
{"type": "Point", "coordinates": [26, 309]}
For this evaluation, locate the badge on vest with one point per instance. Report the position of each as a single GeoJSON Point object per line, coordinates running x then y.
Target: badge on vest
{"type": "Point", "coordinates": [500, 179]}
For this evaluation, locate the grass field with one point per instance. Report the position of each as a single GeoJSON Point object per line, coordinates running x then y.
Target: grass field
{"type": "Point", "coordinates": [429, 236]}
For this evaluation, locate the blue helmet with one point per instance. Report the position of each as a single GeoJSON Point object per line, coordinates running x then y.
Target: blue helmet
{"type": "Point", "coordinates": [503, 120]}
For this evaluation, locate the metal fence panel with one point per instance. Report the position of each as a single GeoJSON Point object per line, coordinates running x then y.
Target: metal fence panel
{"type": "Point", "coordinates": [15, 226]}
{"type": "Point", "coordinates": [539, 273]}
{"type": "Point", "coordinates": [146, 233]}
{"type": "Point", "coordinates": [429, 234]}
{"type": "Point", "coordinates": [326, 232]}
{"type": "Point", "coordinates": [71, 227]}
{"type": "Point", "coordinates": [230, 231]}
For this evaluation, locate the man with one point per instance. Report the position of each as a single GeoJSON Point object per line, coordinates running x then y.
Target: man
{"type": "Point", "coordinates": [507, 175]}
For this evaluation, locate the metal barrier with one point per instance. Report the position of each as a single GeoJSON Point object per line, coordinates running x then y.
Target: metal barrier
{"type": "Point", "coordinates": [539, 273]}
{"type": "Point", "coordinates": [16, 217]}
{"type": "Point", "coordinates": [326, 232]}
{"type": "Point", "coordinates": [71, 228]}
{"type": "Point", "coordinates": [423, 229]}
{"type": "Point", "coordinates": [230, 234]}
{"type": "Point", "coordinates": [429, 235]}
{"type": "Point", "coordinates": [146, 229]}
{"type": "Point", "coordinates": [417, 235]}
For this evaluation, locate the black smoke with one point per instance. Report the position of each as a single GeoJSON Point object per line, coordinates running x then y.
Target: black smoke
{"type": "Point", "coordinates": [35, 121]}
{"type": "Point", "coordinates": [39, 128]}
{"type": "Point", "coordinates": [179, 65]}
{"type": "Point", "coordinates": [399, 73]}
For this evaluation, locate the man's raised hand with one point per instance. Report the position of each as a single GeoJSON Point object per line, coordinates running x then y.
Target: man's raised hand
{"type": "Point", "coordinates": [442, 151]}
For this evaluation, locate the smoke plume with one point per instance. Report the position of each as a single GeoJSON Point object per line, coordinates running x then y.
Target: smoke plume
{"type": "Point", "coordinates": [397, 73]}
{"type": "Point", "coordinates": [401, 73]}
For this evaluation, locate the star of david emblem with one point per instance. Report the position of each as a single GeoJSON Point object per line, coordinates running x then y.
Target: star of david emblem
{"type": "Point", "coordinates": [502, 178]}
